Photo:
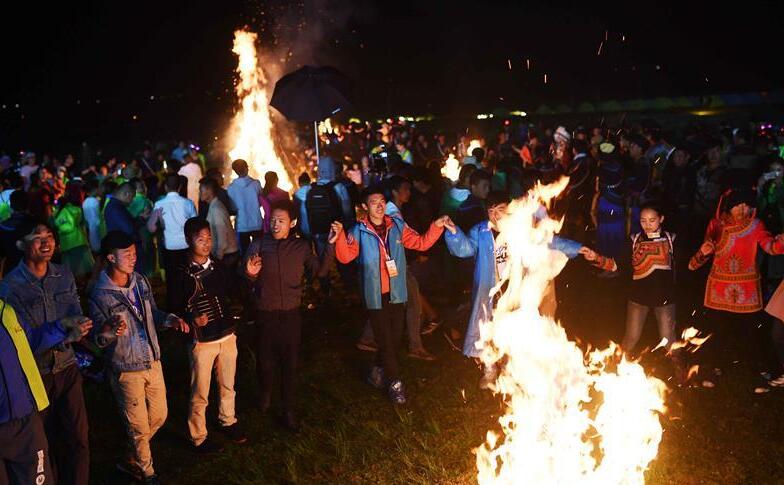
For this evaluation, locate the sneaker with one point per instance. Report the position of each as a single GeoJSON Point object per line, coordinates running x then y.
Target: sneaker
{"type": "Point", "coordinates": [235, 434]}
{"type": "Point", "coordinates": [421, 354]}
{"type": "Point", "coordinates": [431, 327]}
{"type": "Point", "coordinates": [777, 382]}
{"type": "Point", "coordinates": [131, 469]}
{"type": "Point", "coordinates": [207, 447]}
{"type": "Point", "coordinates": [376, 377]}
{"type": "Point", "coordinates": [396, 392]}
{"type": "Point", "coordinates": [367, 346]}
{"type": "Point", "coordinates": [151, 480]}
{"type": "Point", "coordinates": [488, 377]}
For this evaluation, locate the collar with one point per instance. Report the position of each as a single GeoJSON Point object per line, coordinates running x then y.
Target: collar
{"type": "Point", "coordinates": [51, 271]}
{"type": "Point", "coordinates": [172, 195]}
{"type": "Point", "coordinates": [206, 264]}
{"type": "Point", "coordinates": [365, 220]}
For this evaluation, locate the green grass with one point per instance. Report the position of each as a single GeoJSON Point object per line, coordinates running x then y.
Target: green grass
{"type": "Point", "coordinates": [351, 434]}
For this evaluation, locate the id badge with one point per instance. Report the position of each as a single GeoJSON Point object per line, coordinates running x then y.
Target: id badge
{"type": "Point", "coordinates": [391, 268]}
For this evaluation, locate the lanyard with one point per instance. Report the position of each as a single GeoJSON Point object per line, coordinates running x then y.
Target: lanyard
{"type": "Point", "coordinates": [384, 243]}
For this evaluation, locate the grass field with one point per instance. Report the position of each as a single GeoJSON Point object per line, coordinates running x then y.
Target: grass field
{"type": "Point", "coordinates": [352, 434]}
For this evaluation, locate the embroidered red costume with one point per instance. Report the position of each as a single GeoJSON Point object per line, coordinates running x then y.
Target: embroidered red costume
{"type": "Point", "coordinates": [734, 281]}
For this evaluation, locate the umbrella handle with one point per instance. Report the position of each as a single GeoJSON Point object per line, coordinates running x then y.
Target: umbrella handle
{"type": "Point", "coordinates": [315, 133]}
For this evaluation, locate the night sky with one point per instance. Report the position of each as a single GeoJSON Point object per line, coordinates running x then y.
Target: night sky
{"type": "Point", "coordinates": [80, 72]}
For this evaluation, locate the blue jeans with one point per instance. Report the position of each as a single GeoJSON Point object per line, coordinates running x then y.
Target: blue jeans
{"type": "Point", "coordinates": [635, 320]}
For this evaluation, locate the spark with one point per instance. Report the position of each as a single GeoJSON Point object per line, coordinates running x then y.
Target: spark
{"type": "Point", "coordinates": [599, 52]}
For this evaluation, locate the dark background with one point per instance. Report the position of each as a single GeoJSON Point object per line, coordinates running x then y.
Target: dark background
{"type": "Point", "coordinates": [81, 71]}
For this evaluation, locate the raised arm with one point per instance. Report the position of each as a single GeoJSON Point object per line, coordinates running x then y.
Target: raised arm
{"type": "Point", "coordinates": [460, 245]}
{"type": "Point", "coordinates": [423, 242]}
{"type": "Point", "coordinates": [346, 248]}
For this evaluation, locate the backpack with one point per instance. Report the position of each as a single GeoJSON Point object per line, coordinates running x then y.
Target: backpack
{"type": "Point", "coordinates": [323, 207]}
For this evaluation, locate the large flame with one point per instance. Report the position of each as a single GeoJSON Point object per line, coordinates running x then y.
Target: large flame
{"type": "Point", "coordinates": [570, 418]}
{"type": "Point", "coordinates": [251, 129]}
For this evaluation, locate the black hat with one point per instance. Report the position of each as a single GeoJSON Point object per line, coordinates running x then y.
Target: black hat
{"type": "Point", "coordinates": [737, 197]}
{"type": "Point", "coordinates": [114, 240]}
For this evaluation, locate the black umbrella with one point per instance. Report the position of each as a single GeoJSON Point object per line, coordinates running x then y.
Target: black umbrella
{"type": "Point", "coordinates": [312, 94]}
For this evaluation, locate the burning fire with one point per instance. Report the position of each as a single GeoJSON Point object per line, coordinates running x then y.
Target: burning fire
{"type": "Point", "coordinates": [251, 128]}
{"type": "Point", "coordinates": [451, 168]}
{"type": "Point", "coordinates": [570, 417]}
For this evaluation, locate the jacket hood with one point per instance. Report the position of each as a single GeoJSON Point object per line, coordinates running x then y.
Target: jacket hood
{"type": "Point", "coordinates": [106, 283]}
{"type": "Point", "coordinates": [459, 194]}
{"type": "Point", "coordinates": [326, 169]}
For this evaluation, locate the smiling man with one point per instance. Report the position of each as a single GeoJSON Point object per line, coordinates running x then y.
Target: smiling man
{"type": "Point", "coordinates": [379, 241]}
{"type": "Point", "coordinates": [42, 292]}
{"type": "Point", "coordinates": [276, 264]}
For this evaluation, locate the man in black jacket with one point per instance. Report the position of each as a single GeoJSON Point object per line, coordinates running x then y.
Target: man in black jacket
{"type": "Point", "coordinates": [276, 265]}
{"type": "Point", "coordinates": [199, 295]}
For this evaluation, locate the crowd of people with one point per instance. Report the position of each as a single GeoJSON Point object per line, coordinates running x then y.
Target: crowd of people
{"type": "Point", "coordinates": [82, 247]}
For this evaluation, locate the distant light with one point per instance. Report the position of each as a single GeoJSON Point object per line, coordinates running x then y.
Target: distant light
{"type": "Point", "coordinates": [658, 67]}
{"type": "Point", "coordinates": [135, 117]}
{"type": "Point", "coordinates": [16, 105]}
{"type": "Point", "coordinates": [152, 98]}
{"type": "Point", "coordinates": [97, 101]}
{"type": "Point", "coordinates": [518, 113]}
{"type": "Point", "coordinates": [484, 116]}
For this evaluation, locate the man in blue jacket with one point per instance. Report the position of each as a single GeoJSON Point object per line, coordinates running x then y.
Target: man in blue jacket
{"type": "Point", "coordinates": [481, 244]}
{"type": "Point", "coordinates": [42, 292]}
{"type": "Point", "coordinates": [24, 453]}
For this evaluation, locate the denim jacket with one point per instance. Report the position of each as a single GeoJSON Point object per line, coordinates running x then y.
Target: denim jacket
{"type": "Point", "coordinates": [42, 301]}
{"type": "Point", "coordinates": [138, 348]}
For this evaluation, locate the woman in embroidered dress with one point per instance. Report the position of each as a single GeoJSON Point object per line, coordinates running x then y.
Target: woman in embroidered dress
{"type": "Point", "coordinates": [648, 259]}
{"type": "Point", "coordinates": [733, 293]}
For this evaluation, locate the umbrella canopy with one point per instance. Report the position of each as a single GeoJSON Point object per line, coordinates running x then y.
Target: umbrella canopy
{"type": "Point", "coordinates": [312, 93]}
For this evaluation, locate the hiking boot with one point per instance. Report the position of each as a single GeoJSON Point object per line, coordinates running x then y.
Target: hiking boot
{"type": "Point", "coordinates": [207, 447]}
{"type": "Point", "coordinates": [421, 354]}
{"type": "Point", "coordinates": [235, 434]}
{"type": "Point", "coordinates": [376, 377]}
{"type": "Point", "coordinates": [396, 392]}
{"type": "Point", "coordinates": [367, 346]}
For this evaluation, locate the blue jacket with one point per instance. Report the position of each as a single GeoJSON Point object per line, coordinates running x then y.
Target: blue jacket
{"type": "Point", "coordinates": [118, 218]}
{"type": "Point", "coordinates": [370, 263]}
{"type": "Point", "coordinates": [480, 244]}
{"type": "Point", "coordinates": [16, 398]}
{"type": "Point", "coordinates": [138, 348]}
{"type": "Point", "coordinates": [41, 303]}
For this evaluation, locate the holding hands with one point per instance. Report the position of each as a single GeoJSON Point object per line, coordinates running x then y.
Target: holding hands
{"type": "Point", "coordinates": [588, 253]}
{"type": "Point", "coordinates": [707, 248]}
{"type": "Point", "coordinates": [446, 222]}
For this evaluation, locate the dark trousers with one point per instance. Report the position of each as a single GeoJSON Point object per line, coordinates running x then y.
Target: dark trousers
{"type": "Point", "coordinates": [172, 259]}
{"type": "Point", "coordinates": [277, 344]}
{"type": "Point", "coordinates": [387, 324]}
{"type": "Point", "coordinates": [65, 421]}
{"type": "Point", "coordinates": [743, 337]}
{"type": "Point", "coordinates": [246, 238]}
{"type": "Point", "coordinates": [24, 453]}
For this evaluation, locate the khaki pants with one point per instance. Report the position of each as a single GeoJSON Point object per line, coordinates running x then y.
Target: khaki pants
{"type": "Point", "coordinates": [222, 356]}
{"type": "Point", "coordinates": [141, 397]}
